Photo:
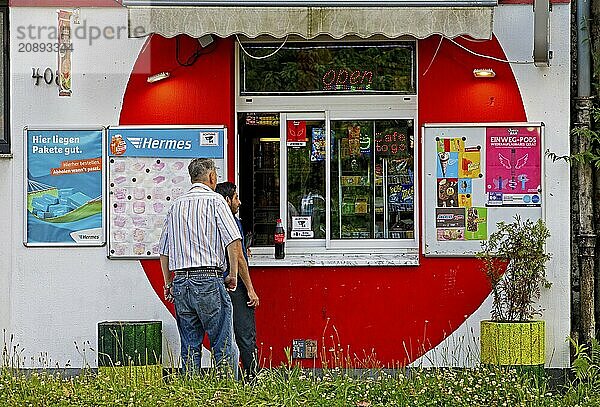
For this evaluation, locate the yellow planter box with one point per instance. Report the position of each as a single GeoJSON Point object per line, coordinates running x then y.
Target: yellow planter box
{"type": "Point", "coordinates": [513, 343]}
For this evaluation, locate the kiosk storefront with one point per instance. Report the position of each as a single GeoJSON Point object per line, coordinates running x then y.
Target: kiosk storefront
{"type": "Point", "coordinates": [328, 118]}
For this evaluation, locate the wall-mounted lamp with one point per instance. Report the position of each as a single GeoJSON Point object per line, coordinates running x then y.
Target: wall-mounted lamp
{"type": "Point", "coordinates": [158, 77]}
{"type": "Point", "coordinates": [484, 73]}
{"type": "Point", "coordinates": [206, 40]}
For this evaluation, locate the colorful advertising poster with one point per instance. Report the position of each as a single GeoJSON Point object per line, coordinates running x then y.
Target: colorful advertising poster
{"type": "Point", "coordinates": [465, 186]}
{"type": "Point", "coordinates": [465, 200]}
{"type": "Point", "coordinates": [447, 195]}
{"type": "Point", "coordinates": [465, 191]}
{"type": "Point", "coordinates": [449, 218]}
{"type": "Point", "coordinates": [470, 163]}
{"type": "Point", "coordinates": [450, 145]}
{"type": "Point", "coordinates": [447, 165]}
{"type": "Point", "coordinates": [318, 144]}
{"type": "Point", "coordinates": [147, 170]}
{"type": "Point", "coordinates": [513, 166]}
{"type": "Point", "coordinates": [450, 234]}
{"type": "Point", "coordinates": [64, 53]}
{"type": "Point", "coordinates": [476, 224]}
{"type": "Point", "coordinates": [64, 187]}
{"type": "Point", "coordinates": [296, 133]}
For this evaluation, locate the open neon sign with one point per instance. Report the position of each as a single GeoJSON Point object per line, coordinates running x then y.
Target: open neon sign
{"type": "Point", "coordinates": [345, 79]}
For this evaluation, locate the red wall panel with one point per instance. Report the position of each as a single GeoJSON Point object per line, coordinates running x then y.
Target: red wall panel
{"type": "Point", "coordinates": [390, 315]}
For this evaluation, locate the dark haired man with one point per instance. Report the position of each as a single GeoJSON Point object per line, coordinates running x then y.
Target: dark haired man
{"type": "Point", "coordinates": [244, 298]}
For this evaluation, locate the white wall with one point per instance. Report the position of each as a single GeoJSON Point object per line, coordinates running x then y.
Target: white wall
{"type": "Point", "coordinates": [546, 97]}
{"type": "Point", "coordinates": [6, 248]}
{"type": "Point", "coordinates": [58, 295]}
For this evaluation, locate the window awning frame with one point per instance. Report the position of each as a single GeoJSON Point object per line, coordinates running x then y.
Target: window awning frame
{"type": "Point", "coordinates": [313, 3]}
{"type": "Point", "coordinates": [311, 22]}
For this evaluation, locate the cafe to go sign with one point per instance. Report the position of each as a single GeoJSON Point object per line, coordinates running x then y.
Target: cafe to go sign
{"type": "Point", "coordinates": [390, 144]}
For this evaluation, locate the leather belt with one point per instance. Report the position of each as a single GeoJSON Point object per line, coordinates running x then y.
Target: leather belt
{"type": "Point", "coordinates": [200, 272]}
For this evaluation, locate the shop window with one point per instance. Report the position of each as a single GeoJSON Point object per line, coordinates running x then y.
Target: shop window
{"type": "Point", "coordinates": [259, 176]}
{"type": "Point", "coordinates": [327, 68]}
{"type": "Point", "coordinates": [372, 173]}
{"type": "Point", "coordinates": [305, 156]}
{"type": "Point", "coordinates": [333, 182]}
{"type": "Point", "coordinates": [4, 80]}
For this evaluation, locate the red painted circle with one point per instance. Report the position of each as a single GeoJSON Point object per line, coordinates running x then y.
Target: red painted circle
{"type": "Point", "coordinates": [391, 314]}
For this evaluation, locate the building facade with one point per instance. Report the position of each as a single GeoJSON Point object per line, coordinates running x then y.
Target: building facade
{"type": "Point", "coordinates": [342, 133]}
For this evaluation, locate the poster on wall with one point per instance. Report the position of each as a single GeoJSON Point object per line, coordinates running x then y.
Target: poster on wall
{"type": "Point", "coordinates": [476, 175]}
{"type": "Point", "coordinates": [296, 133]}
{"type": "Point", "coordinates": [64, 53]}
{"type": "Point", "coordinates": [513, 166]}
{"type": "Point", "coordinates": [147, 170]}
{"type": "Point", "coordinates": [64, 187]}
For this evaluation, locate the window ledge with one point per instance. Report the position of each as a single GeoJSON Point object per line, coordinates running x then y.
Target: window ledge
{"type": "Point", "coordinates": [335, 260]}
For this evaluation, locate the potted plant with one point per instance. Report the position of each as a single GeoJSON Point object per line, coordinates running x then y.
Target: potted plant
{"type": "Point", "coordinates": [514, 261]}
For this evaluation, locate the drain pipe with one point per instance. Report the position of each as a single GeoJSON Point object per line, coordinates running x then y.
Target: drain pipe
{"type": "Point", "coordinates": [586, 237]}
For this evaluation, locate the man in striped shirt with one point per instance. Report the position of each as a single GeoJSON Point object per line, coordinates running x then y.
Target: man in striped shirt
{"type": "Point", "coordinates": [199, 232]}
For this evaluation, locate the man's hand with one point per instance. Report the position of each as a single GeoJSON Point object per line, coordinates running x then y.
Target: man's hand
{"type": "Point", "coordinates": [167, 276]}
{"type": "Point", "coordinates": [169, 293]}
{"type": "Point", "coordinates": [231, 282]}
{"type": "Point", "coordinates": [254, 301]}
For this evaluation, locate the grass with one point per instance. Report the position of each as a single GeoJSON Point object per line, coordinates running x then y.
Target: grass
{"type": "Point", "coordinates": [290, 385]}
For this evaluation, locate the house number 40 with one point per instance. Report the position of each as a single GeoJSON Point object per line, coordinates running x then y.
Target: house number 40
{"type": "Point", "coordinates": [48, 76]}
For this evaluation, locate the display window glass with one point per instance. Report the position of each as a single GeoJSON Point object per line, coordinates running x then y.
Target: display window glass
{"type": "Point", "coordinates": [335, 183]}
{"type": "Point", "coordinates": [372, 173]}
{"type": "Point", "coordinates": [327, 68]}
{"type": "Point", "coordinates": [305, 156]}
{"type": "Point", "coordinates": [259, 176]}
{"type": "Point", "coordinates": [334, 161]}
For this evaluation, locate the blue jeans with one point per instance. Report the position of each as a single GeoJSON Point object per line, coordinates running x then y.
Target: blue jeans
{"type": "Point", "coordinates": [203, 305]}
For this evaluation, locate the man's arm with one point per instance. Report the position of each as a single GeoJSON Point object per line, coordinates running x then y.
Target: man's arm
{"type": "Point", "coordinates": [234, 249]}
{"type": "Point", "coordinates": [167, 277]}
{"type": "Point", "coordinates": [245, 276]}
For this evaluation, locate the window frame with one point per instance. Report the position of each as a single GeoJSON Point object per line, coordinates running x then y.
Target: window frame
{"type": "Point", "coordinates": [332, 107]}
{"type": "Point", "coordinates": [5, 143]}
{"type": "Point", "coordinates": [348, 244]}
{"type": "Point", "coordinates": [283, 208]}
{"type": "Point", "coordinates": [401, 43]}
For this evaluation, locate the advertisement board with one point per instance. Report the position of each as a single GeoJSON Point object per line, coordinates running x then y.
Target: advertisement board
{"type": "Point", "coordinates": [64, 187]}
{"type": "Point", "coordinates": [147, 171]}
{"type": "Point", "coordinates": [475, 175]}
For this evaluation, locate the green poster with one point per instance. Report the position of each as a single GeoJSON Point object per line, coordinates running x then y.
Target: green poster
{"type": "Point", "coordinates": [476, 224]}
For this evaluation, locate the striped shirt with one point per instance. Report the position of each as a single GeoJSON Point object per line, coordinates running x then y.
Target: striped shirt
{"type": "Point", "coordinates": [198, 227]}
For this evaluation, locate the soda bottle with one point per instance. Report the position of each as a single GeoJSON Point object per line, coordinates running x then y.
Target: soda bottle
{"type": "Point", "coordinates": [279, 240]}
